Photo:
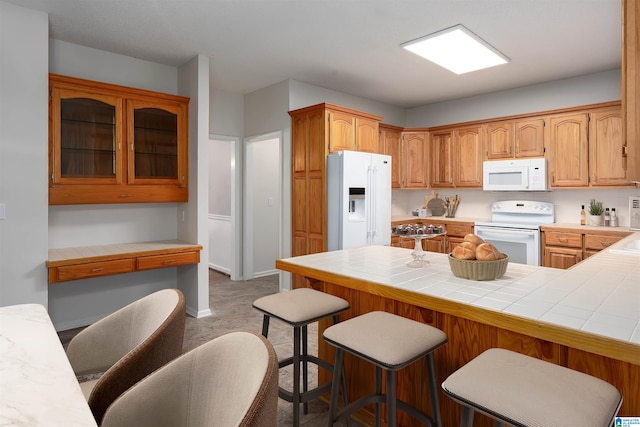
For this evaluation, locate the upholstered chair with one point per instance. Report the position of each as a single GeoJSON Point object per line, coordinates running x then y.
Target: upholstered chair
{"type": "Point", "coordinates": [229, 381]}
{"type": "Point", "coordinates": [128, 345]}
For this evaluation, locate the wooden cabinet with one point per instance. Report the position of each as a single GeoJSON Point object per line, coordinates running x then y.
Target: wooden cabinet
{"type": "Point", "coordinates": [631, 86]}
{"type": "Point", "coordinates": [456, 230]}
{"type": "Point", "coordinates": [568, 150]}
{"type": "Point", "coordinates": [414, 160]}
{"type": "Point", "coordinates": [565, 247]}
{"type": "Point", "coordinates": [456, 157]}
{"type": "Point", "coordinates": [105, 260]}
{"type": "Point", "coordinates": [112, 144]}
{"type": "Point", "coordinates": [467, 157]}
{"type": "Point", "coordinates": [441, 159]}
{"type": "Point", "coordinates": [587, 149]}
{"type": "Point", "coordinates": [367, 135]}
{"type": "Point", "coordinates": [607, 164]}
{"type": "Point", "coordinates": [562, 249]}
{"type": "Point", "coordinates": [391, 145]}
{"type": "Point", "coordinates": [316, 131]}
{"type": "Point", "coordinates": [514, 139]}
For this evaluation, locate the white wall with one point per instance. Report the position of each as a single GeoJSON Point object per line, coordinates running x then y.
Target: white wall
{"type": "Point", "coordinates": [24, 38]}
{"type": "Point", "coordinates": [264, 204]}
{"type": "Point", "coordinates": [193, 280]}
{"type": "Point", "coordinates": [476, 204]}
{"type": "Point", "coordinates": [304, 95]}
{"type": "Point", "coordinates": [589, 89]}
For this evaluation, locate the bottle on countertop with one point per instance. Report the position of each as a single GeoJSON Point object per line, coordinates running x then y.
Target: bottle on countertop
{"type": "Point", "coordinates": [613, 221]}
{"type": "Point", "coordinates": [583, 216]}
{"type": "Point", "coordinates": [607, 217]}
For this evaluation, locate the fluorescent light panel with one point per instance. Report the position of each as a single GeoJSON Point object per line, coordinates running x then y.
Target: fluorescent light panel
{"type": "Point", "coordinates": [457, 49]}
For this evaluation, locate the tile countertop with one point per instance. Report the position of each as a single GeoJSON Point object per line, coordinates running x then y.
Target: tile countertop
{"type": "Point", "coordinates": [600, 295]}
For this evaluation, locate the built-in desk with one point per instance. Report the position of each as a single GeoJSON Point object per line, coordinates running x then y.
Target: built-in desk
{"type": "Point", "coordinates": [586, 318]}
{"type": "Point", "coordinates": [93, 261]}
{"type": "Point", "coordinates": [37, 384]}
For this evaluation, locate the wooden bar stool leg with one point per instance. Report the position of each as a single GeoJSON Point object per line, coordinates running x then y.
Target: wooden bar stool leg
{"type": "Point", "coordinates": [335, 385]}
{"type": "Point", "coordinates": [433, 390]}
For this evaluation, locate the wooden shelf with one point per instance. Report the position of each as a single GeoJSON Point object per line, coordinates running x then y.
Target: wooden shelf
{"type": "Point", "coordinates": [85, 262]}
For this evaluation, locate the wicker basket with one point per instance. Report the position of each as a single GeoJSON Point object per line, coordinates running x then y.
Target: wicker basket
{"type": "Point", "coordinates": [478, 270]}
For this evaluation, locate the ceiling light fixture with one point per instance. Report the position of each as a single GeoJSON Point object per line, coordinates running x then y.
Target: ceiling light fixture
{"type": "Point", "coordinates": [457, 49]}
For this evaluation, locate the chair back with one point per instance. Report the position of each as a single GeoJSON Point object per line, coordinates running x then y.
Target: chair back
{"type": "Point", "coordinates": [128, 345]}
{"type": "Point", "coordinates": [229, 381]}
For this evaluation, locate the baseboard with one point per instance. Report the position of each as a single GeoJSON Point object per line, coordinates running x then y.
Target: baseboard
{"type": "Point", "coordinates": [219, 268]}
{"type": "Point", "coordinates": [78, 323]}
{"type": "Point", "coordinates": [199, 314]}
{"type": "Point", "coordinates": [265, 273]}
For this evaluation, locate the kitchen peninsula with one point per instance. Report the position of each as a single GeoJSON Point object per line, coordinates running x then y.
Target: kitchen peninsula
{"type": "Point", "coordinates": [586, 318]}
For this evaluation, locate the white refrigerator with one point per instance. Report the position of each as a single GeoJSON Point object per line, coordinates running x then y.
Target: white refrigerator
{"type": "Point", "coordinates": [358, 199]}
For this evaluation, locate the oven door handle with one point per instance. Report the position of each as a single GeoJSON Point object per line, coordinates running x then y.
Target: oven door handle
{"type": "Point", "coordinates": [489, 234]}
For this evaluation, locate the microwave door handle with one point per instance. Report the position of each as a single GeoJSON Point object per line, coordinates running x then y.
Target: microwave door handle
{"type": "Point", "coordinates": [526, 173]}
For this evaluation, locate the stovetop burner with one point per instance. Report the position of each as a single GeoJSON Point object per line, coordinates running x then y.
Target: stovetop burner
{"type": "Point", "coordinates": [520, 214]}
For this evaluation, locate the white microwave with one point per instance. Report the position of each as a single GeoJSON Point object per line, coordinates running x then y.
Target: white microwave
{"type": "Point", "coordinates": [515, 175]}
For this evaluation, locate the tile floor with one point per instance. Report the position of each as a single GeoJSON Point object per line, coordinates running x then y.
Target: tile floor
{"type": "Point", "coordinates": [231, 304]}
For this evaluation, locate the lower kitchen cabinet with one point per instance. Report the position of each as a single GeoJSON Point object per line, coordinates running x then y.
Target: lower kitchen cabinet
{"type": "Point", "coordinates": [565, 247]}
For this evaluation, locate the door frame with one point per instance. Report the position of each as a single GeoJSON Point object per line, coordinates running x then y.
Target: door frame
{"type": "Point", "coordinates": [236, 203]}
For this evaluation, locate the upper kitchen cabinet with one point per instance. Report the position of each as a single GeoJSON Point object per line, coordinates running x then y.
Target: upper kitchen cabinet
{"type": "Point", "coordinates": [414, 159]}
{"type": "Point", "coordinates": [631, 86]}
{"type": "Point", "coordinates": [456, 157]}
{"type": "Point", "coordinates": [514, 139]}
{"type": "Point", "coordinates": [391, 145]}
{"type": "Point", "coordinates": [607, 163]}
{"type": "Point", "coordinates": [568, 150]}
{"type": "Point", "coordinates": [351, 130]}
{"type": "Point", "coordinates": [586, 148]}
{"type": "Point", "coordinates": [467, 168]}
{"type": "Point", "coordinates": [441, 158]}
{"type": "Point", "coordinates": [113, 144]}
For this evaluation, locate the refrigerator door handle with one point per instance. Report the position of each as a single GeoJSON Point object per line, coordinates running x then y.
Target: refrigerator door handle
{"type": "Point", "coordinates": [372, 207]}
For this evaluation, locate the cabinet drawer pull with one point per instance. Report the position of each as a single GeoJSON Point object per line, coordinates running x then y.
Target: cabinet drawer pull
{"type": "Point", "coordinates": [605, 244]}
{"type": "Point", "coordinates": [563, 239]}
{"type": "Point", "coordinates": [125, 195]}
{"type": "Point", "coordinates": [168, 261]}
{"type": "Point", "coordinates": [95, 270]}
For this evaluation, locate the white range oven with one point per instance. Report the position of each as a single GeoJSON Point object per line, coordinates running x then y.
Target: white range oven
{"type": "Point", "coordinates": [515, 228]}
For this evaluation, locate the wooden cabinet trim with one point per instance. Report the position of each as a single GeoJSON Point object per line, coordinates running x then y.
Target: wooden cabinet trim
{"type": "Point", "coordinates": [93, 261]}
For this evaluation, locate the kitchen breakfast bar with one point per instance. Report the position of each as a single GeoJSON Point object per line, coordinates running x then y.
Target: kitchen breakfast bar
{"type": "Point", "coordinates": [586, 318]}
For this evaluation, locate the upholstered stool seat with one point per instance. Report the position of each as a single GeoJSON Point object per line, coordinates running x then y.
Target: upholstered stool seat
{"type": "Point", "coordinates": [299, 308]}
{"type": "Point", "coordinates": [389, 342]}
{"type": "Point", "coordinates": [523, 391]}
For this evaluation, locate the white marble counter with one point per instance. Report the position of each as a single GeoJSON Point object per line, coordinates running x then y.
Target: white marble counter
{"type": "Point", "coordinates": [37, 384]}
{"type": "Point", "coordinates": [600, 295]}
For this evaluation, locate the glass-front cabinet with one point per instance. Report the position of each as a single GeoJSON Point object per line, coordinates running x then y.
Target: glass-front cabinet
{"type": "Point", "coordinates": [111, 144]}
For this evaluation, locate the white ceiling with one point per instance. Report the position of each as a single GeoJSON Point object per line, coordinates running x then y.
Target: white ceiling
{"type": "Point", "coordinates": [351, 46]}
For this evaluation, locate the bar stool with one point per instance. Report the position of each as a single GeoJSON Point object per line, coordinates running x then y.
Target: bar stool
{"type": "Point", "coordinates": [299, 308]}
{"type": "Point", "coordinates": [389, 342]}
{"type": "Point", "coordinates": [524, 391]}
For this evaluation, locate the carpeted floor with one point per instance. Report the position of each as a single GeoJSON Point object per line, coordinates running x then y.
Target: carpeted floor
{"type": "Point", "coordinates": [231, 304]}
